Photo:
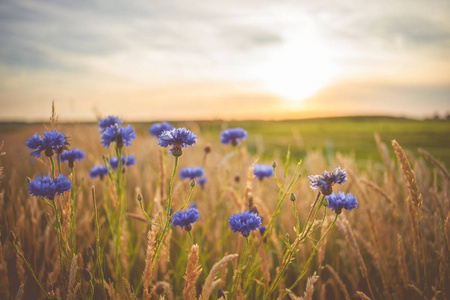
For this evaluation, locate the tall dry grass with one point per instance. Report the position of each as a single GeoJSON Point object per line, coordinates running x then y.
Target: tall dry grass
{"type": "Point", "coordinates": [394, 245]}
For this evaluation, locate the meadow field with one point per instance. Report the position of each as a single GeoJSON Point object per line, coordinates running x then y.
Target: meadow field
{"type": "Point", "coordinates": [113, 236]}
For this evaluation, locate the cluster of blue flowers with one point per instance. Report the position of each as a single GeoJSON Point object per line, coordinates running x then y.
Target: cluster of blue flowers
{"type": "Point", "coordinates": [192, 173]}
{"type": "Point", "coordinates": [46, 187]}
{"type": "Point", "coordinates": [326, 181]}
{"type": "Point", "coordinates": [340, 201]}
{"type": "Point", "coordinates": [72, 155]}
{"type": "Point", "coordinates": [123, 136]}
{"type": "Point", "coordinates": [127, 161]}
{"type": "Point", "coordinates": [233, 136]}
{"type": "Point", "coordinates": [178, 138]}
{"type": "Point", "coordinates": [244, 222]}
{"type": "Point", "coordinates": [98, 171]}
{"type": "Point", "coordinates": [262, 171]}
{"type": "Point", "coordinates": [185, 219]}
{"type": "Point", "coordinates": [52, 141]}
{"type": "Point", "coordinates": [107, 122]}
{"type": "Point", "coordinates": [157, 128]}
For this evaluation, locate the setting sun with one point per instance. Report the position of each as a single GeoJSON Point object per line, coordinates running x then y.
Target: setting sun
{"type": "Point", "coordinates": [298, 69]}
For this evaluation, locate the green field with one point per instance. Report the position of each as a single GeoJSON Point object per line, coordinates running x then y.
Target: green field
{"type": "Point", "coordinates": [349, 136]}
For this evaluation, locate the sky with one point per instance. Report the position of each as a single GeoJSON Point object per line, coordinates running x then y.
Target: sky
{"type": "Point", "coordinates": [195, 60]}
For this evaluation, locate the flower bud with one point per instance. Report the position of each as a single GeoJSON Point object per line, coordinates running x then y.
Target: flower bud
{"type": "Point", "coordinates": [293, 197]}
{"type": "Point", "coordinates": [274, 164]}
{"type": "Point", "coordinates": [139, 197]}
{"type": "Point", "coordinates": [207, 149]}
{"type": "Point", "coordinates": [237, 179]}
{"type": "Point", "coordinates": [192, 182]}
{"type": "Point", "coordinates": [325, 202]}
{"type": "Point", "coordinates": [28, 179]}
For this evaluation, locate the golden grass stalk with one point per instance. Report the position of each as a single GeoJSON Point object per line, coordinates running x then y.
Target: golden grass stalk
{"type": "Point", "coordinates": [210, 282]}
{"type": "Point", "coordinates": [292, 295]}
{"type": "Point", "coordinates": [435, 162]}
{"type": "Point", "coordinates": [310, 287]}
{"type": "Point", "coordinates": [109, 287]}
{"type": "Point", "coordinates": [193, 271]}
{"type": "Point", "coordinates": [356, 253]}
{"type": "Point", "coordinates": [20, 292]}
{"type": "Point", "coordinates": [4, 279]}
{"type": "Point", "coordinates": [401, 256]}
{"type": "Point", "coordinates": [377, 189]}
{"type": "Point", "coordinates": [383, 152]}
{"type": "Point", "coordinates": [339, 281]}
{"type": "Point", "coordinates": [264, 265]}
{"type": "Point", "coordinates": [416, 196]}
{"type": "Point", "coordinates": [129, 292]}
{"type": "Point", "coordinates": [72, 276]}
{"type": "Point", "coordinates": [248, 187]}
{"type": "Point", "coordinates": [362, 295]}
{"type": "Point", "coordinates": [20, 265]}
{"type": "Point", "coordinates": [148, 271]}
{"type": "Point", "coordinates": [447, 229]}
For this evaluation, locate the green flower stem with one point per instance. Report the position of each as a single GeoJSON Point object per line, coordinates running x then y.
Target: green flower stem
{"type": "Point", "coordinates": [72, 235]}
{"type": "Point", "coordinates": [97, 242]}
{"type": "Point", "coordinates": [118, 229]}
{"type": "Point", "coordinates": [58, 229]}
{"type": "Point", "coordinates": [191, 238]}
{"type": "Point", "coordinates": [297, 227]}
{"type": "Point", "coordinates": [166, 227]}
{"type": "Point", "coordinates": [53, 167]}
{"type": "Point", "coordinates": [237, 279]}
{"type": "Point", "coordinates": [146, 215]}
{"type": "Point", "coordinates": [186, 201]}
{"type": "Point", "coordinates": [305, 268]}
{"type": "Point", "coordinates": [28, 266]}
{"type": "Point", "coordinates": [58, 159]}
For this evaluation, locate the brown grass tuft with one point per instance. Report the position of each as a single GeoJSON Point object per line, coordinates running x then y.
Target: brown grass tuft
{"type": "Point", "coordinates": [339, 281]}
{"type": "Point", "coordinates": [362, 295]}
{"type": "Point", "coordinates": [72, 276]}
{"type": "Point", "coordinates": [401, 256]}
{"type": "Point", "coordinates": [435, 162]}
{"type": "Point", "coordinates": [192, 273]}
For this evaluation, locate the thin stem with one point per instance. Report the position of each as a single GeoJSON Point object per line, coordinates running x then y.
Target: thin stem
{"type": "Point", "coordinates": [53, 167]}
{"type": "Point", "coordinates": [27, 264]}
{"type": "Point", "coordinates": [187, 199]}
{"type": "Point", "coordinates": [74, 213]}
{"type": "Point", "coordinates": [97, 242]}
{"type": "Point", "coordinates": [305, 268]}
{"type": "Point", "coordinates": [237, 278]}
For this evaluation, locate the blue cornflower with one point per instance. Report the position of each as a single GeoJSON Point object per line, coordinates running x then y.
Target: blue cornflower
{"type": "Point", "coordinates": [220, 294]}
{"type": "Point", "coordinates": [46, 187]}
{"type": "Point", "coordinates": [191, 173]}
{"type": "Point", "coordinates": [72, 155]}
{"type": "Point", "coordinates": [202, 181]}
{"type": "Point", "coordinates": [98, 171]}
{"type": "Point", "coordinates": [52, 141]}
{"type": "Point", "coordinates": [107, 122]}
{"type": "Point", "coordinates": [233, 136]}
{"type": "Point", "coordinates": [186, 218]}
{"type": "Point", "coordinates": [325, 181]}
{"type": "Point", "coordinates": [263, 171]}
{"type": "Point", "coordinates": [119, 134]}
{"type": "Point", "coordinates": [178, 138]}
{"type": "Point", "coordinates": [157, 128]}
{"type": "Point", "coordinates": [340, 201]}
{"type": "Point", "coordinates": [244, 222]}
{"type": "Point", "coordinates": [127, 161]}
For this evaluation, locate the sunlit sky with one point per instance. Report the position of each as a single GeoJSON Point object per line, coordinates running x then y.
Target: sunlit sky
{"type": "Point", "coordinates": [167, 60]}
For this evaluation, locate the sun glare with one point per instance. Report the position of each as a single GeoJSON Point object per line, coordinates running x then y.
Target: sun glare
{"type": "Point", "coordinates": [297, 70]}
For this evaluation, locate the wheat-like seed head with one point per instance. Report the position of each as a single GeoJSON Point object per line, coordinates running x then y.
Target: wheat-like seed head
{"type": "Point", "coordinates": [192, 273]}
{"type": "Point", "coordinates": [210, 284]}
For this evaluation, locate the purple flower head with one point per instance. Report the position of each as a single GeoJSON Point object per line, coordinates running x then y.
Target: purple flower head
{"type": "Point", "coordinates": [127, 161]}
{"type": "Point", "coordinates": [202, 181]}
{"type": "Point", "coordinates": [325, 181]}
{"type": "Point", "coordinates": [46, 187]}
{"type": "Point", "coordinates": [263, 171]}
{"type": "Point", "coordinates": [157, 128]}
{"type": "Point", "coordinates": [178, 138]}
{"type": "Point", "coordinates": [244, 222]}
{"type": "Point", "coordinates": [233, 136]}
{"type": "Point", "coordinates": [191, 173]}
{"type": "Point", "coordinates": [52, 141]}
{"type": "Point", "coordinates": [193, 204]}
{"type": "Point", "coordinates": [121, 135]}
{"type": "Point", "coordinates": [72, 155]}
{"type": "Point", "coordinates": [107, 122]}
{"type": "Point", "coordinates": [340, 201]}
{"type": "Point", "coordinates": [98, 171]}
{"type": "Point", "coordinates": [185, 219]}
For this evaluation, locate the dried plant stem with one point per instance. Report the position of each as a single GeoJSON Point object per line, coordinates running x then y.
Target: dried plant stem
{"type": "Point", "coordinates": [30, 269]}
{"type": "Point", "coordinates": [339, 281]}
{"type": "Point", "coordinates": [237, 276]}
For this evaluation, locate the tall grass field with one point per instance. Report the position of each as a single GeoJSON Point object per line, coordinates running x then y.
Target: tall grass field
{"type": "Point", "coordinates": [339, 208]}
